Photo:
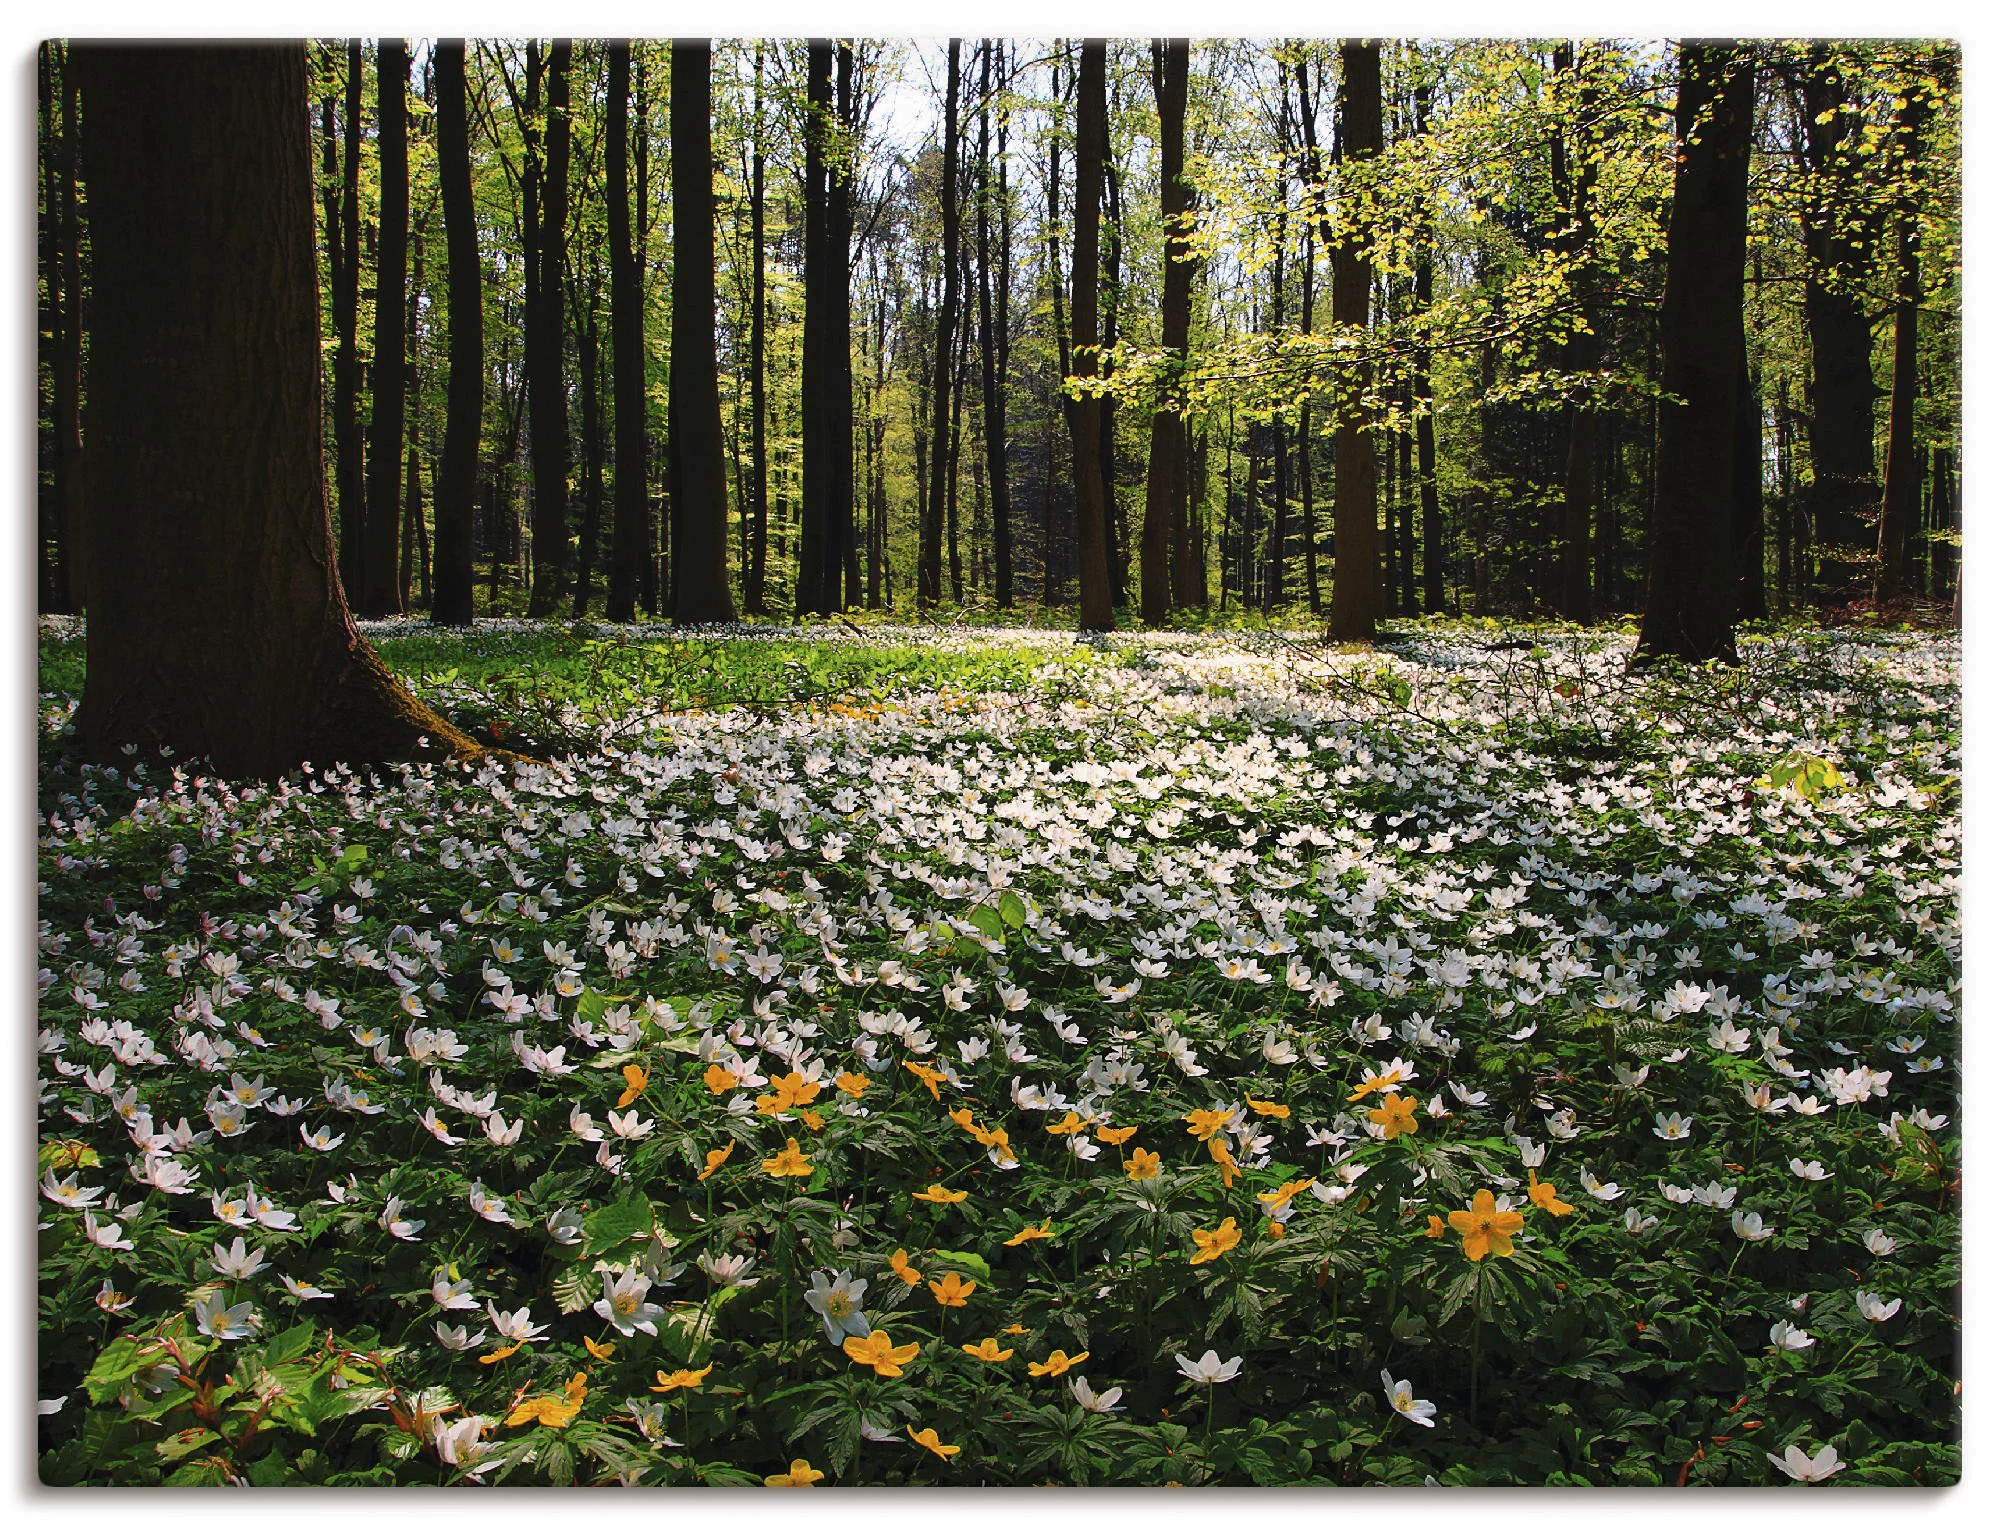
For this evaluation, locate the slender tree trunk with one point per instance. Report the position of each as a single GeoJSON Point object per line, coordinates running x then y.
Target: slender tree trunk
{"type": "Point", "coordinates": [217, 625]}
{"type": "Point", "coordinates": [628, 350]}
{"type": "Point", "coordinates": [1747, 500]}
{"type": "Point", "coordinates": [458, 475]}
{"type": "Point", "coordinates": [811, 595]}
{"type": "Point", "coordinates": [548, 397]}
{"type": "Point", "coordinates": [649, 455]}
{"type": "Point", "coordinates": [65, 278]}
{"type": "Point", "coordinates": [844, 579]}
{"type": "Point", "coordinates": [1579, 353]}
{"type": "Point", "coordinates": [388, 371]}
{"type": "Point", "coordinates": [1691, 590]}
{"type": "Point", "coordinates": [349, 478]}
{"type": "Point", "coordinates": [591, 395]}
{"type": "Point", "coordinates": [699, 482]}
{"type": "Point", "coordinates": [1117, 538]}
{"type": "Point", "coordinates": [930, 568]}
{"type": "Point", "coordinates": [1902, 474]}
{"type": "Point", "coordinates": [1167, 463]}
{"type": "Point", "coordinates": [1357, 563]}
{"type": "Point", "coordinates": [992, 339]}
{"type": "Point", "coordinates": [1086, 412]}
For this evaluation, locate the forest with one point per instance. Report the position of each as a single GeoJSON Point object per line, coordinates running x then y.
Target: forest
{"type": "Point", "coordinates": [994, 762]}
{"type": "Point", "coordinates": [1264, 278]}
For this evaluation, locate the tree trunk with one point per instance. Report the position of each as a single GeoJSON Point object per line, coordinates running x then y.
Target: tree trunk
{"type": "Point", "coordinates": [700, 487]}
{"type": "Point", "coordinates": [591, 395]}
{"type": "Point", "coordinates": [1902, 474]}
{"type": "Point", "coordinates": [628, 351]}
{"type": "Point", "coordinates": [1357, 560]}
{"type": "Point", "coordinates": [388, 371]}
{"type": "Point", "coordinates": [1747, 499]}
{"type": "Point", "coordinates": [458, 470]}
{"type": "Point", "coordinates": [1840, 255]}
{"type": "Point", "coordinates": [930, 568]}
{"type": "Point", "coordinates": [217, 625]}
{"type": "Point", "coordinates": [349, 477]}
{"type": "Point", "coordinates": [1086, 412]}
{"type": "Point", "coordinates": [1117, 538]}
{"type": "Point", "coordinates": [1573, 600]}
{"type": "Point", "coordinates": [844, 581]}
{"type": "Point", "coordinates": [1691, 588]}
{"type": "Point", "coordinates": [548, 399]}
{"type": "Point", "coordinates": [992, 336]}
{"type": "Point", "coordinates": [65, 277]}
{"type": "Point", "coordinates": [1166, 463]}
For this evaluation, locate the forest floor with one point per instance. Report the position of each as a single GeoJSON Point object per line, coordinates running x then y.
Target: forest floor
{"type": "Point", "coordinates": [878, 1055]}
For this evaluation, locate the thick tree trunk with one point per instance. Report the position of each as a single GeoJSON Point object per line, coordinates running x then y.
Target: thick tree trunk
{"type": "Point", "coordinates": [628, 354]}
{"type": "Point", "coordinates": [1840, 255]}
{"type": "Point", "coordinates": [700, 487]}
{"type": "Point", "coordinates": [548, 399]}
{"type": "Point", "coordinates": [1357, 560]}
{"type": "Point", "coordinates": [61, 582]}
{"type": "Point", "coordinates": [840, 326]}
{"type": "Point", "coordinates": [217, 625]}
{"type": "Point", "coordinates": [757, 511]}
{"type": "Point", "coordinates": [1086, 412]}
{"type": "Point", "coordinates": [465, 400]}
{"type": "Point", "coordinates": [1166, 463]}
{"type": "Point", "coordinates": [1902, 475]}
{"type": "Point", "coordinates": [810, 595]}
{"type": "Point", "coordinates": [1691, 590]}
{"type": "Point", "coordinates": [389, 368]}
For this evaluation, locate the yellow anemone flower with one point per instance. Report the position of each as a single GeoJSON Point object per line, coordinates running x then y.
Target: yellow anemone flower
{"type": "Point", "coordinates": [1485, 1229]}
{"type": "Point", "coordinates": [718, 1080]}
{"type": "Point", "coordinates": [1203, 1123]}
{"type": "Point", "coordinates": [674, 1381]}
{"type": "Point", "coordinates": [788, 1161]}
{"type": "Point", "coordinates": [811, 1118]}
{"type": "Point", "coordinates": [794, 1090]}
{"type": "Point", "coordinates": [953, 1290]}
{"type": "Point", "coordinates": [1115, 1136]}
{"type": "Point", "coordinates": [802, 1475]}
{"type": "Point", "coordinates": [1397, 1115]}
{"type": "Point", "coordinates": [1213, 1244]}
{"type": "Point", "coordinates": [501, 1354]}
{"type": "Point", "coordinates": [928, 1439]}
{"type": "Point", "coordinates": [853, 1085]}
{"type": "Point", "coordinates": [963, 1117]}
{"type": "Point", "coordinates": [927, 1075]}
{"type": "Point", "coordinates": [1057, 1363]}
{"type": "Point", "coordinates": [1285, 1193]}
{"type": "Point", "coordinates": [878, 1351]}
{"type": "Point", "coordinates": [1543, 1195]}
{"type": "Point", "coordinates": [988, 1349]}
{"type": "Point", "coordinates": [1218, 1150]}
{"type": "Point", "coordinates": [937, 1193]}
{"type": "Point", "coordinates": [554, 1413]}
{"type": "Point", "coordinates": [1267, 1108]}
{"type": "Point", "coordinates": [1071, 1123]}
{"type": "Point", "coordinates": [635, 1084]}
{"type": "Point", "coordinates": [1031, 1232]}
{"type": "Point", "coordinates": [715, 1160]}
{"type": "Point", "coordinates": [603, 1352]}
{"type": "Point", "coordinates": [1434, 1227]}
{"type": "Point", "coordinates": [1370, 1086]}
{"type": "Point", "coordinates": [1143, 1165]}
{"type": "Point", "coordinates": [900, 1264]}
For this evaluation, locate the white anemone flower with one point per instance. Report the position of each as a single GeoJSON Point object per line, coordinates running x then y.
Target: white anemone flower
{"type": "Point", "coordinates": [1807, 1469]}
{"type": "Point", "coordinates": [838, 1303]}
{"type": "Point", "coordinates": [1210, 1369]}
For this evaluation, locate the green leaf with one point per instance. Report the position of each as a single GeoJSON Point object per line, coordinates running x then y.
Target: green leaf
{"type": "Point", "coordinates": [988, 921]}
{"type": "Point", "coordinates": [119, 1361]}
{"type": "Point", "coordinates": [966, 948]}
{"type": "Point", "coordinates": [616, 1223]}
{"type": "Point", "coordinates": [1012, 911]}
{"type": "Point", "coordinates": [963, 1260]}
{"type": "Point", "coordinates": [290, 1345]}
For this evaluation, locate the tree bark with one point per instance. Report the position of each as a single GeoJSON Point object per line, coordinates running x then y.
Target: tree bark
{"type": "Point", "coordinates": [1840, 255]}
{"type": "Point", "coordinates": [1691, 589]}
{"type": "Point", "coordinates": [1578, 177]}
{"type": "Point", "coordinates": [1086, 412]}
{"type": "Point", "coordinates": [64, 275]}
{"type": "Point", "coordinates": [1902, 474]}
{"type": "Point", "coordinates": [930, 569]}
{"type": "Point", "coordinates": [628, 356]}
{"type": "Point", "coordinates": [548, 399]}
{"type": "Point", "coordinates": [1166, 463]}
{"type": "Point", "coordinates": [349, 479]}
{"type": "Point", "coordinates": [699, 483]}
{"type": "Point", "coordinates": [388, 372]}
{"type": "Point", "coordinates": [465, 399]}
{"type": "Point", "coordinates": [992, 335]}
{"type": "Point", "coordinates": [217, 624]}
{"type": "Point", "coordinates": [758, 509]}
{"type": "Point", "coordinates": [1357, 560]}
